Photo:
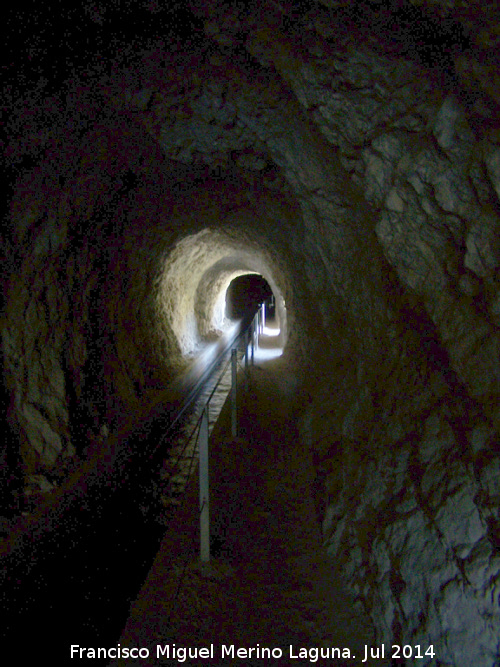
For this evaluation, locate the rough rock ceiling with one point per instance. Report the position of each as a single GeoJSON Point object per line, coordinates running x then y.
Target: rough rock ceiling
{"type": "Point", "coordinates": [353, 144]}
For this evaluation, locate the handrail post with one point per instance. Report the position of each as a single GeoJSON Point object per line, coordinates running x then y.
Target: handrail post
{"type": "Point", "coordinates": [234, 423]}
{"type": "Point", "coordinates": [252, 336]}
{"type": "Point", "coordinates": [263, 316]}
{"type": "Point", "coordinates": [204, 498]}
{"type": "Point", "coordinates": [247, 345]}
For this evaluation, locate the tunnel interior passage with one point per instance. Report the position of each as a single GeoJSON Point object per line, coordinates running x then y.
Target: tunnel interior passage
{"type": "Point", "coordinates": [245, 294]}
{"type": "Point", "coordinates": [197, 277]}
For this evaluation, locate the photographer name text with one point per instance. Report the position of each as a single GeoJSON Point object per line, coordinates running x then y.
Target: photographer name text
{"type": "Point", "coordinates": [231, 652]}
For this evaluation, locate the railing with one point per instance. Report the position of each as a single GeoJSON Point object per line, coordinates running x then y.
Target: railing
{"type": "Point", "coordinates": [248, 333]}
{"type": "Point", "coordinates": [251, 336]}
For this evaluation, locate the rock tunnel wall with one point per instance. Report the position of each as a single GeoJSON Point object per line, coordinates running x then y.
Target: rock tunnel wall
{"type": "Point", "coordinates": [114, 282]}
{"type": "Point", "coordinates": [358, 169]}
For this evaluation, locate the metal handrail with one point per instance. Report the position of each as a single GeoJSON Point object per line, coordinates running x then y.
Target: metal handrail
{"type": "Point", "coordinates": [254, 328]}
{"type": "Point", "coordinates": [197, 387]}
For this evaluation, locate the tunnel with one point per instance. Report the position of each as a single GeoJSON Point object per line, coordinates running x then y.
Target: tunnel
{"type": "Point", "coordinates": [169, 167]}
{"type": "Point", "coordinates": [245, 293]}
{"type": "Point", "coordinates": [197, 293]}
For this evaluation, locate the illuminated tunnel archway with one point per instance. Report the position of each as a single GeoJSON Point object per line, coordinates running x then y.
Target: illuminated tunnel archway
{"type": "Point", "coordinates": [196, 276]}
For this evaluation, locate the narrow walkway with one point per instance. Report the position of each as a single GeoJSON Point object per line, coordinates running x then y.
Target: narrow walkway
{"type": "Point", "coordinates": [269, 583]}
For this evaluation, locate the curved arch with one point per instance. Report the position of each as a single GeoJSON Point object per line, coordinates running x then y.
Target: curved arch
{"type": "Point", "coordinates": [245, 293]}
{"type": "Point", "coordinates": [196, 276]}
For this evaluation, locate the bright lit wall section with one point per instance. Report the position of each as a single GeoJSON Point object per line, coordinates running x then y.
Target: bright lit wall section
{"type": "Point", "coordinates": [196, 276]}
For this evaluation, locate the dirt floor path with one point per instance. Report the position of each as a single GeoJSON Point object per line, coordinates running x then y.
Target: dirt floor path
{"type": "Point", "coordinates": [269, 583]}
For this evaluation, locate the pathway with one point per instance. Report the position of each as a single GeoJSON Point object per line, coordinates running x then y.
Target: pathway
{"type": "Point", "coordinates": [269, 583]}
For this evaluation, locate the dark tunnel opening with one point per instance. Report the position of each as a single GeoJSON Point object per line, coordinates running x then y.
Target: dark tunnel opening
{"type": "Point", "coordinates": [245, 294]}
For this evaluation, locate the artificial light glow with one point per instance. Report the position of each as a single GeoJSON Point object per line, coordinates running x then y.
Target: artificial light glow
{"type": "Point", "coordinates": [206, 354]}
{"type": "Point", "coordinates": [271, 331]}
{"type": "Point", "coordinates": [268, 346]}
{"type": "Point", "coordinates": [192, 296]}
{"type": "Point", "coordinates": [267, 353]}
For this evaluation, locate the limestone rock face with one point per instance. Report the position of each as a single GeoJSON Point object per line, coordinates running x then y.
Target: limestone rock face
{"type": "Point", "coordinates": [348, 151]}
{"type": "Point", "coordinates": [412, 528]}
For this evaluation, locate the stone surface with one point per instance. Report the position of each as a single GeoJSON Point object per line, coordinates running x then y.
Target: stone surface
{"type": "Point", "coordinates": [349, 152]}
{"type": "Point", "coordinates": [421, 554]}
